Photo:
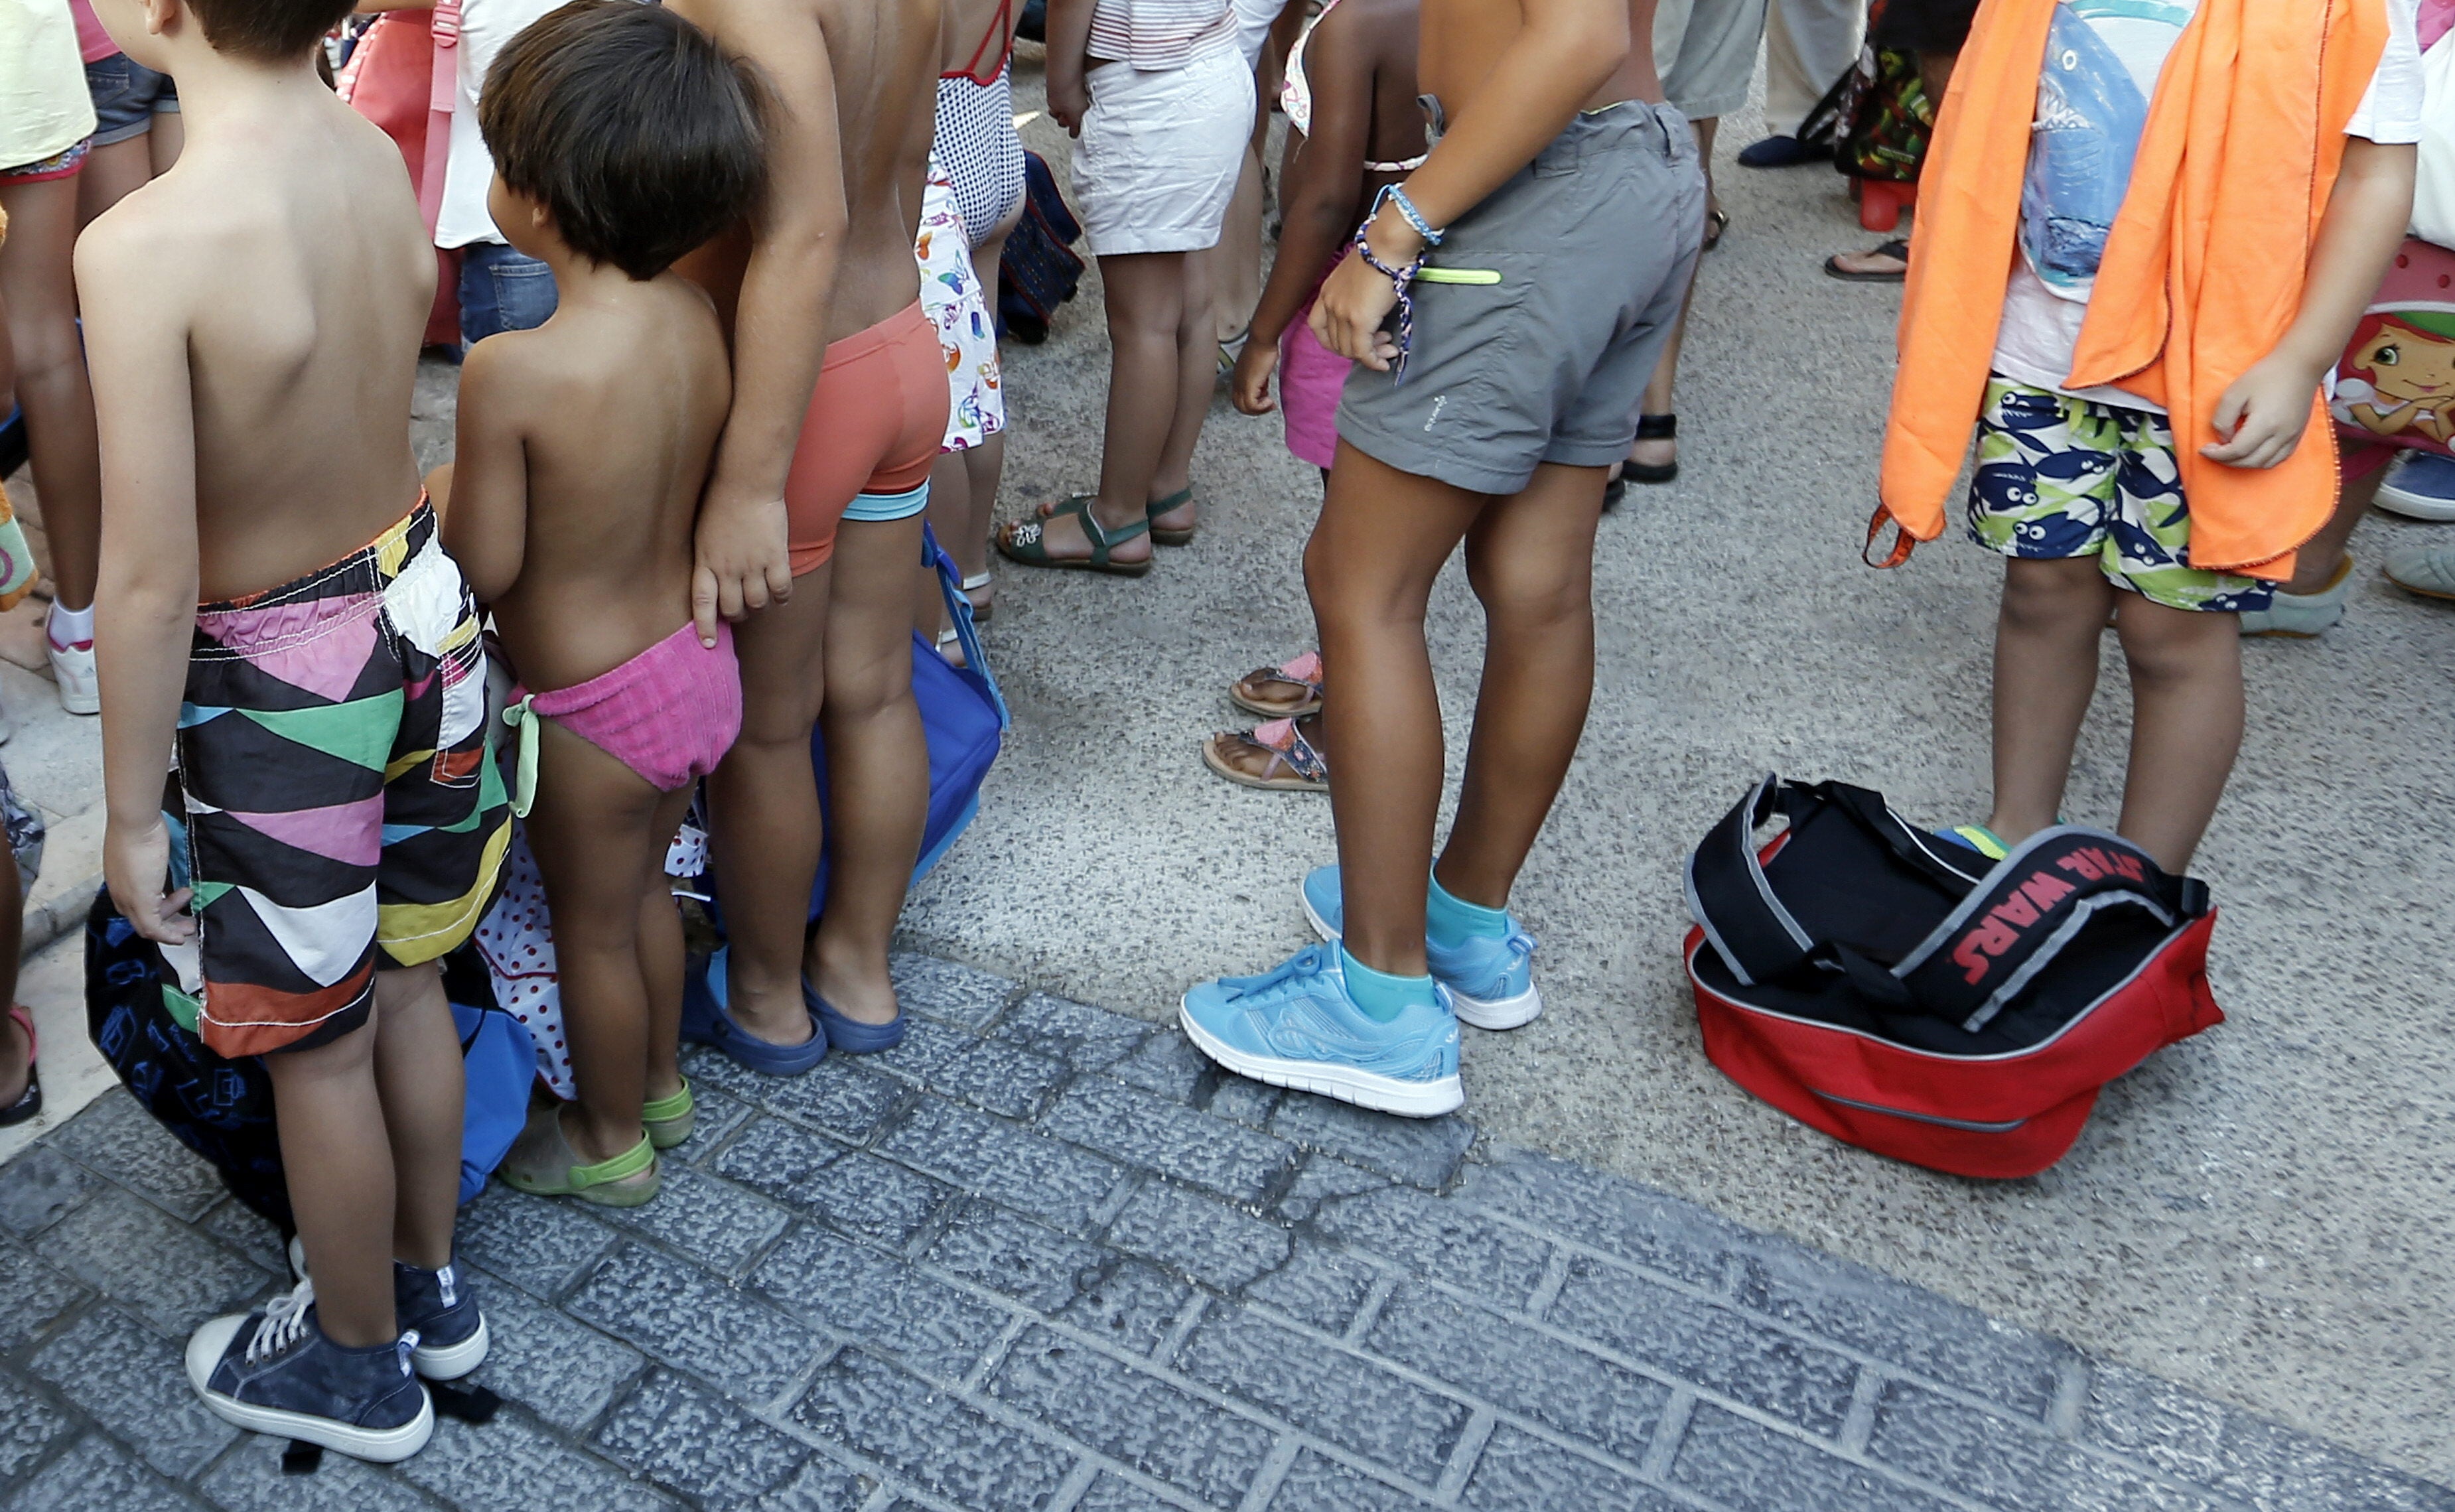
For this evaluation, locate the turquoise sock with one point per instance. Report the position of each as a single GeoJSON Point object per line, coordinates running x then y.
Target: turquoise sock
{"type": "Point", "coordinates": [1382, 996]}
{"type": "Point", "coordinates": [1451, 922]}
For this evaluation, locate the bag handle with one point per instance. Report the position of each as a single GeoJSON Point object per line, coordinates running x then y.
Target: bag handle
{"type": "Point", "coordinates": [442, 96]}
{"type": "Point", "coordinates": [1728, 895]}
{"type": "Point", "coordinates": [958, 613]}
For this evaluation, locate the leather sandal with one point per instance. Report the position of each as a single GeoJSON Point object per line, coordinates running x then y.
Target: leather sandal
{"type": "Point", "coordinates": [1165, 536]}
{"type": "Point", "coordinates": [1652, 428]}
{"type": "Point", "coordinates": [1294, 764]}
{"type": "Point", "coordinates": [1026, 542]}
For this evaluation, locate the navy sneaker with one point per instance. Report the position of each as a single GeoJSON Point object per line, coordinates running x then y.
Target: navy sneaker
{"type": "Point", "coordinates": [1297, 1027]}
{"type": "Point", "coordinates": [440, 1307]}
{"type": "Point", "coordinates": [274, 1371]}
{"type": "Point", "coordinates": [1491, 981]}
{"type": "Point", "coordinates": [1782, 152]}
{"type": "Point", "coordinates": [2422, 487]}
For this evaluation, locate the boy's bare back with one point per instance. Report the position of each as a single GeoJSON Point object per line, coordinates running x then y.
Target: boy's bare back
{"type": "Point", "coordinates": [615, 405]}
{"type": "Point", "coordinates": [883, 59]}
{"type": "Point", "coordinates": [282, 266]}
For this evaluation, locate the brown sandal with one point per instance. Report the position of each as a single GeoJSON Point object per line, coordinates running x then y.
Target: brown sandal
{"type": "Point", "coordinates": [1301, 674]}
{"type": "Point", "coordinates": [1294, 764]}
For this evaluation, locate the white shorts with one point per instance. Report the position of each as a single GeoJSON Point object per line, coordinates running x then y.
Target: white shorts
{"type": "Point", "coordinates": [1159, 154]}
{"type": "Point", "coordinates": [1254, 19]}
{"type": "Point", "coordinates": [951, 297]}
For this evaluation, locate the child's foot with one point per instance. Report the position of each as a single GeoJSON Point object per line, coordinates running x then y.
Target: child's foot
{"type": "Point", "coordinates": [707, 1020]}
{"type": "Point", "coordinates": [1279, 755]}
{"type": "Point", "coordinates": [274, 1371]}
{"type": "Point", "coordinates": [1491, 981]}
{"type": "Point", "coordinates": [1297, 1027]}
{"type": "Point", "coordinates": [669, 1120]}
{"type": "Point", "coordinates": [1287, 691]}
{"type": "Point", "coordinates": [980, 588]}
{"type": "Point", "coordinates": [21, 1085]}
{"type": "Point", "coordinates": [440, 1307]}
{"type": "Point", "coordinates": [543, 1163]}
{"type": "Point", "coordinates": [1069, 536]}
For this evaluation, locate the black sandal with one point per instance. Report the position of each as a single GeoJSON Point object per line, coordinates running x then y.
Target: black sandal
{"type": "Point", "coordinates": [1718, 221]}
{"type": "Point", "coordinates": [1652, 428]}
{"type": "Point", "coordinates": [1897, 249]}
{"type": "Point", "coordinates": [1026, 542]}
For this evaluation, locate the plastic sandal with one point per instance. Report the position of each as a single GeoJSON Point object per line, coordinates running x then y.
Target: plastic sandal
{"type": "Point", "coordinates": [1304, 671]}
{"type": "Point", "coordinates": [1026, 541]}
{"type": "Point", "coordinates": [544, 1164]}
{"type": "Point", "coordinates": [973, 585]}
{"type": "Point", "coordinates": [851, 1036]}
{"type": "Point", "coordinates": [1168, 505]}
{"type": "Point", "coordinates": [1652, 428]}
{"type": "Point", "coordinates": [670, 1121]}
{"type": "Point", "coordinates": [706, 1021]}
{"type": "Point", "coordinates": [1296, 765]}
{"type": "Point", "coordinates": [29, 1103]}
{"type": "Point", "coordinates": [1897, 251]}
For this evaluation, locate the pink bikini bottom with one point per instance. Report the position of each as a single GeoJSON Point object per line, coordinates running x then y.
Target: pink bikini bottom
{"type": "Point", "coordinates": [669, 714]}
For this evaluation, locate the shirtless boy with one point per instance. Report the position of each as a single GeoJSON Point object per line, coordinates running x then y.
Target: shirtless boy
{"type": "Point", "coordinates": [621, 137]}
{"type": "Point", "coordinates": [1535, 262]}
{"type": "Point", "coordinates": [812, 519]}
{"type": "Point", "coordinates": [277, 612]}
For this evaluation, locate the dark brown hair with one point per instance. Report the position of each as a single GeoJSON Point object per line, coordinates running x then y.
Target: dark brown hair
{"type": "Point", "coordinates": [272, 30]}
{"type": "Point", "coordinates": [630, 125]}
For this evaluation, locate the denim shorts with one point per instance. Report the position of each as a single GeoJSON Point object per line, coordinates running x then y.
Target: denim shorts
{"type": "Point", "coordinates": [500, 291]}
{"type": "Point", "coordinates": [127, 96]}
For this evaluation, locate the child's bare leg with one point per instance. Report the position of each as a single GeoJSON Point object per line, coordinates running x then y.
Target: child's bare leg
{"type": "Point", "coordinates": [1531, 561]}
{"type": "Point", "coordinates": [591, 828]}
{"type": "Point", "coordinates": [950, 515]}
{"type": "Point", "coordinates": [1381, 540]}
{"type": "Point", "coordinates": [2046, 673]}
{"type": "Point", "coordinates": [763, 809]}
{"type": "Point", "coordinates": [336, 1156]}
{"type": "Point", "coordinates": [1236, 262]}
{"type": "Point", "coordinates": [38, 290]}
{"type": "Point", "coordinates": [1197, 377]}
{"type": "Point", "coordinates": [878, 769]}
{"type": "Point", "coordinates": [1146, 300]}
{"type": "Point", "coordinates": [2186, 718]}
{"type": "Point", "coordinates": [418, 1077]}
{"type": "Point", "coordinates": [661, 952]}
{"type": "Point", "coordinates": [2321, 556]}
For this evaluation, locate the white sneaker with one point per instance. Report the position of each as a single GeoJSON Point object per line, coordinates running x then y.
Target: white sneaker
{"type": "Point", "coordinates": [2302, 617]}
{"type": "Point", "coordinates": [72, 670]}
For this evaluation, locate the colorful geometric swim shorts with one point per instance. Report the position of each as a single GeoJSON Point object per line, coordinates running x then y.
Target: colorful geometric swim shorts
{"type": "Point", "coordinates": [2060, 477]}
{"type": "Point", "coordinates": [333, 793]}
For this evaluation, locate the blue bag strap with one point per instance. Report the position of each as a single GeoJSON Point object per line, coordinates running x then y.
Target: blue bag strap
{"type": "Point", "coordinates": [959, 613]}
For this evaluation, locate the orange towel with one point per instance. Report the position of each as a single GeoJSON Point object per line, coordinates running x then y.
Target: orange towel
{"type": "Point", "coordinates": [2203, 270]}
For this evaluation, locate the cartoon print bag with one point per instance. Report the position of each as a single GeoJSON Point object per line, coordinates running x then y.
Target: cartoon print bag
{"type": "Point", "coordinates": [2395, 385]}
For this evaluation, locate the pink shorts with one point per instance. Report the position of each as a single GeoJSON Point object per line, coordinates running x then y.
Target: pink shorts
{"type": "Point", "coordinates": [669, 714]}
{"type": "Point", "coordinates": [1310, 378]}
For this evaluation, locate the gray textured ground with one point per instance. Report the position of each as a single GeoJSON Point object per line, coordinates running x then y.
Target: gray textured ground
{"type": "Point", "coordinates": [1042, 1259]}
{"type": "Point", "coordinates": [2266, 1213]}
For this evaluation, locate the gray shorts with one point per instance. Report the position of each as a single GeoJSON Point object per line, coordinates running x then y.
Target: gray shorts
{"type": "Point", "coordinates": [1591, 246]}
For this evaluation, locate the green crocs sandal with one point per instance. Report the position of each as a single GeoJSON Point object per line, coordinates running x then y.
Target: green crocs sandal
{"type": "Point", "coordinates": [670, 1119]}
{"type": "Point", "coordinates": [1162, 535]}
{"type": "Point", "coordinates": [543, 1163]}
{"type": "Point", "coordinates": [1026, 542]}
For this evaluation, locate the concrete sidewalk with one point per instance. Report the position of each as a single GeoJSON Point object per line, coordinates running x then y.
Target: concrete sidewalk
{"type": "Point", "coordinates": [2264, 1213]}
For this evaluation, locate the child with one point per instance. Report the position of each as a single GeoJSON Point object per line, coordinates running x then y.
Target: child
{"type": "Point", "coordinates": [332, 823]}
{"type": "Point", "coordinates": [1351, 98]}
{"type": "Point", "coordinates": [1534, 263]}
{"type": "Point", "coordinates": [2138, 450]}
{"type": "Point", "coordinates": [813, 518]}
{"type": "Point", "coordinates": [1163, 105]}
{"type": "Point", "coordinates": [621, 138]}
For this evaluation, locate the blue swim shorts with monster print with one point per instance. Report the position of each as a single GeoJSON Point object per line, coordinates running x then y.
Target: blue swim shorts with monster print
{"type": "Point", "coordinates": [2060, 477]}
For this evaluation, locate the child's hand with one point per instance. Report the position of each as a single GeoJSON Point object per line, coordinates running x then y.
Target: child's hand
{"type": "Point", "coordinates": [744, 563]}
{"type": "Point", "coordinates": [1250, 388]}
{"type": "Point", "coordinates": [2262, 416]}
{"type": "Point", "coordinates": [1068, 97]}
{"type": "Point", "coordinates": [136, 861]}
{"type": "Point", "coordinates": [1347, 313]}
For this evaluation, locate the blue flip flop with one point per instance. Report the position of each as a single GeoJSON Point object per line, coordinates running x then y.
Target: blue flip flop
{"type": "Point", "coordinates": [851, 1036]}
{"type": "Point", "coordinates": [706, 1021]}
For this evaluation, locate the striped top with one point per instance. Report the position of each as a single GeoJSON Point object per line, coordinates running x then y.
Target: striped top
{"type": "Point", "coordinates": [1159, 34]}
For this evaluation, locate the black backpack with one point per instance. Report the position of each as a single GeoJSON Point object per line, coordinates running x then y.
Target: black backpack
{"type": "Point", "coordinates": [1039, 270]}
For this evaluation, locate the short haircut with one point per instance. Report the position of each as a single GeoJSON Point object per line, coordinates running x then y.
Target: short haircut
{"type": "Point", "coordinates": [631, 126]}
{"type": "Point", "coordinates": [270, 31]}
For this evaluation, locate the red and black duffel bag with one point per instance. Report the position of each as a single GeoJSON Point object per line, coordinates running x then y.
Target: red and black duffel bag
{"type": "Point", "coordinates": [1898, 992]}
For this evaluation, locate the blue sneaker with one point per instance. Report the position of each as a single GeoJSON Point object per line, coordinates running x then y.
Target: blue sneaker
{"type": "Point", "coordinates": [1491, 981]}
{"type": "Point", "coordinates": [1296, 1027]}
{"type": "Point", "coordinates": [439, 1308]}
{"type": "Point", "coordinates": [707, 1022]}
{"type": "Point", "coordinates": [2422, 487]}
{"type": "Point", "coordinates": [274, 1371]}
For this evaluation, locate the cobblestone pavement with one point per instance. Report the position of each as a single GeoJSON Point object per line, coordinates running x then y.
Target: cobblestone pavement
{"type": "Point", "coordinates": [1043, 1257]}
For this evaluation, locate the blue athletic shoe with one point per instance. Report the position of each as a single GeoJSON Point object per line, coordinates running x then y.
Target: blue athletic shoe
{"type": "Point", "coordinates": [2422, 487]}
{"type": "Point", "coordinates": [1296, 1027]}
{"type": "Point", "coordinates": [707, 1022]}
{"type": "Point", "coordinates": [1491, 981]}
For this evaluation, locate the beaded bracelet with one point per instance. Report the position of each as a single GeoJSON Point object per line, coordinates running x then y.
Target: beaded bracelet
{"type": "Point", "coordinates": [1400, 279]}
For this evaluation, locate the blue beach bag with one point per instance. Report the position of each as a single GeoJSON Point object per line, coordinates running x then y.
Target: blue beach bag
{"type": "Point", "coordinates": [963, 715]}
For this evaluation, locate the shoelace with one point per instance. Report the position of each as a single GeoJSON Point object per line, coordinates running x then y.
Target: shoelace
{"type": "Point", "coordinates": [285, 1322]}
{"type": "Point", "coordinates": [1310, 962]}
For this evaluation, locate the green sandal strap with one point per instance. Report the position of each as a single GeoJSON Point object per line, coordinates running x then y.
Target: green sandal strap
{"type": "Point", "coordinates": [664, 1110]}
{"type": "Point", "coordinates": [630, 1163]}
{"type": "Point", "coordinates": [1169, 505]}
